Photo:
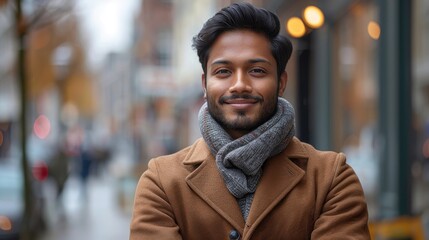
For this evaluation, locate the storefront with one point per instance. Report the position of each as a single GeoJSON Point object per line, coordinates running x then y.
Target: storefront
{"type": "Point", "coordinates": [367, 94]}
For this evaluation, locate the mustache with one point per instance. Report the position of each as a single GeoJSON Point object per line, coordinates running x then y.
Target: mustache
{"type": "Point", "coordinates": [240, 96]}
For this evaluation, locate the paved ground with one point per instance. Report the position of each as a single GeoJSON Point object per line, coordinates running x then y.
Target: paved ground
{"type": "Point", "coordinates": [98, 215]}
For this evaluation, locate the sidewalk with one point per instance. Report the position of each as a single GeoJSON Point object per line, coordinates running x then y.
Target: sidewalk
{"type": "Point", "coordinates": [96, 216]}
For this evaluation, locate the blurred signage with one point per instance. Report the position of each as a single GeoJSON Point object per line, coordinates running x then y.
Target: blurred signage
{"type": "Point", "coordinates": [155, 81]}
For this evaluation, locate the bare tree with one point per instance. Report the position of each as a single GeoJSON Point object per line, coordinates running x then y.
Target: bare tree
{"type": "Point", "coordinates": [29, 15]}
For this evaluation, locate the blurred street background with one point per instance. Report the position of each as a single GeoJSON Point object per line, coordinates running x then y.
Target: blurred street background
{"type": "Point", "coordinates": [91, 90]}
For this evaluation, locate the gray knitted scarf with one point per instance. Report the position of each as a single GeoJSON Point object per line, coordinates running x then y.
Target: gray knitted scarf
{"type": "Point", "coordinates": [240, 160]}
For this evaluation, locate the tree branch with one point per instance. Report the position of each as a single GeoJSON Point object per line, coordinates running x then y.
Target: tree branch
{"type": "Point", "coordinates": [50, 11]}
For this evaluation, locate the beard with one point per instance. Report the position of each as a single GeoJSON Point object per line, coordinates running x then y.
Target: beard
{"type": "Point", "coordinates": [241, 121]}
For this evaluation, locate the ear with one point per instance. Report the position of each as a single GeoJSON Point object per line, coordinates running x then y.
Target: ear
{"type": "Point", "coordinates": [204, 84]}
{"type": "Point", "coordinates": [282, 83]}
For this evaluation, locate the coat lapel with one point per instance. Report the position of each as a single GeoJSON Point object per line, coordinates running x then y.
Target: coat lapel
{"type": "Point", "coordinates": [280, 176]}
{"type": "Point", "coordinates": [207, 183]}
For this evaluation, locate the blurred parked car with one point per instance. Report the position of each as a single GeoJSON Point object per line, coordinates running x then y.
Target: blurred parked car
{"type": "Point", "coordinates": [12, 202]}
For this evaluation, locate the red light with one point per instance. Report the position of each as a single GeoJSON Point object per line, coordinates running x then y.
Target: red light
{"type": "Point", "coordinates": [426, 148]}
{"type": "Point", "coordinates": [40, 171]}
{"type": "Point", "coordinates": [42, 127]}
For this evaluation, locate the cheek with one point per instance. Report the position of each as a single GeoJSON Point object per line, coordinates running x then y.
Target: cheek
{"type": "Point", "coordinates": [217, 87]}
{"type": "Point", "coordinates": [267, 88]}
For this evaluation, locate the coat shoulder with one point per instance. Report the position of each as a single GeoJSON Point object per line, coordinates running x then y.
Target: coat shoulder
{"type": "Point", "coordinates": [299, 149]}
{"type": "Point", "coordinates": [309, 158]}
{"type": "Point", "coordinates": [186, 159]}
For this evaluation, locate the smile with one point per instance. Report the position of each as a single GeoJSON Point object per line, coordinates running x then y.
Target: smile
{"type": "Point", "coordinates": [241, 103]}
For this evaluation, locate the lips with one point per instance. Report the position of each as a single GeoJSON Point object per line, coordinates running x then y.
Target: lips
{"type": "Point", "coordinates": [240, 102]}
{"type": "Point", "coordinates": [240, 99]}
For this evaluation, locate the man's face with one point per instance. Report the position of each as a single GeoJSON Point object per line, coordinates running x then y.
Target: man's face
{"type": "Point", "coordinates": [241, 83]}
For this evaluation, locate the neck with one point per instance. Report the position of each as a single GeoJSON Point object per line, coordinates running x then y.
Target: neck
{"type": "Point", "coordinates": [236, 133]}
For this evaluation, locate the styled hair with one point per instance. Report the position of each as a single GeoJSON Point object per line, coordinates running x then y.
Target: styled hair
{"type": "Point", "coordinates": [243, 16]}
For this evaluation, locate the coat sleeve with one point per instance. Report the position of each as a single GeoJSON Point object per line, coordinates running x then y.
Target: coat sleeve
{"type": "Point", "coordinates": [344, 213]}
{"type": "Point", "coordinates": [153, 217]}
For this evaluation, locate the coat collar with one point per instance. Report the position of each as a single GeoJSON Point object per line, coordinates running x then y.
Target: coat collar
{"type": "Point", "coordinates": [200, 151]}
{"type": "Point", "coordinates": [208, 184]}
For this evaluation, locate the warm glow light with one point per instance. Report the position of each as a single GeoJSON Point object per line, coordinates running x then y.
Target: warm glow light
{"type": "Point", "coordinates": [313, 17]}
{"type": "Point", "coordinates": [295, 27]}
{"type": "Point", "coordinates": [374, 30]}
{"type": "Point", "coordinates": [42, 127]}
{"type": "Point", "coordinates": [5, 223]}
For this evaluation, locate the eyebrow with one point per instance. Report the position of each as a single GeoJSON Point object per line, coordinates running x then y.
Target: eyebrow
{"type": "Point", "coordinates": [259, 60]}
{"type": "Point", "coordinates": [220, 62]}
{"type": "Point", "coordinates": [253, 60]}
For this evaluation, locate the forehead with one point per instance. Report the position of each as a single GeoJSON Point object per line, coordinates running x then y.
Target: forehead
{"type": "Point", "coordinates": [240, 45]}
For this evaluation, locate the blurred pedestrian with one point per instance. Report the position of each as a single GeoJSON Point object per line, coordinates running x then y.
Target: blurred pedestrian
{"type": "Point", "coordinates": [86, 161]}
{"type": "Point", "coordinates": [59, 170]}
{"type": "Point", "coordinates": [248, 177]}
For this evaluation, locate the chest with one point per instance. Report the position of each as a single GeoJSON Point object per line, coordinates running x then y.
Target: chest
{"type": "Point", "coordinates": [291, 218]}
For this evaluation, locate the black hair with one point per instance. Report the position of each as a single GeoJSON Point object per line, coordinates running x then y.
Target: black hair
{"type": "Point", "coordinates": [243, 16]}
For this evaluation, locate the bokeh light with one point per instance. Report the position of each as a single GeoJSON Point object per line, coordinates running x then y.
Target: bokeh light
{"type": "Point", "coordinates": [313, 17]}
{"type": "Point", "coordinates": [40, 171]}
{"type": "Point", "coordinates": [374, 30]}
{"type": "Point", "coordinates": [295, 27]}
{"type": "Point", "coordinates": [42, 127]}
{"type": "Point", "coordinates": [5, 223]}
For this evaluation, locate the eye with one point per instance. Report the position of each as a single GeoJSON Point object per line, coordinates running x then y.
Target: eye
{"type": "Point", "coordinates": [223, 72]}
{"type": "Point", "coordinates": [258, 71]}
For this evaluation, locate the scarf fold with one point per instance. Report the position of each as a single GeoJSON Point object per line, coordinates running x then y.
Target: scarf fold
{"type": "Point", "coordinates": [239, 161]}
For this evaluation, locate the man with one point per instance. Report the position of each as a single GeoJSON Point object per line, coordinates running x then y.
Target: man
{"type": "Point", "coordinates": [248, 177]}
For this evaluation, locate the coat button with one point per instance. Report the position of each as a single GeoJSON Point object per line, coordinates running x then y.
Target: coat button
{"type": "Point", "coordinates": [234, 235]}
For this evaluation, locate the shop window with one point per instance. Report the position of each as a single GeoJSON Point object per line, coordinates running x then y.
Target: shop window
{"type": "Point", "coordinates": [355, 94]}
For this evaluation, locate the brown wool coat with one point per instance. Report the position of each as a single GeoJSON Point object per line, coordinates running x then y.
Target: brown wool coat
{"type": "Point", "coordinates": [303, 194]}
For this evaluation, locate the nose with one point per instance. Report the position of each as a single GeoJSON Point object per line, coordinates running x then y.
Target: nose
{"type": "Point", "coordinates": [240, 83]}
